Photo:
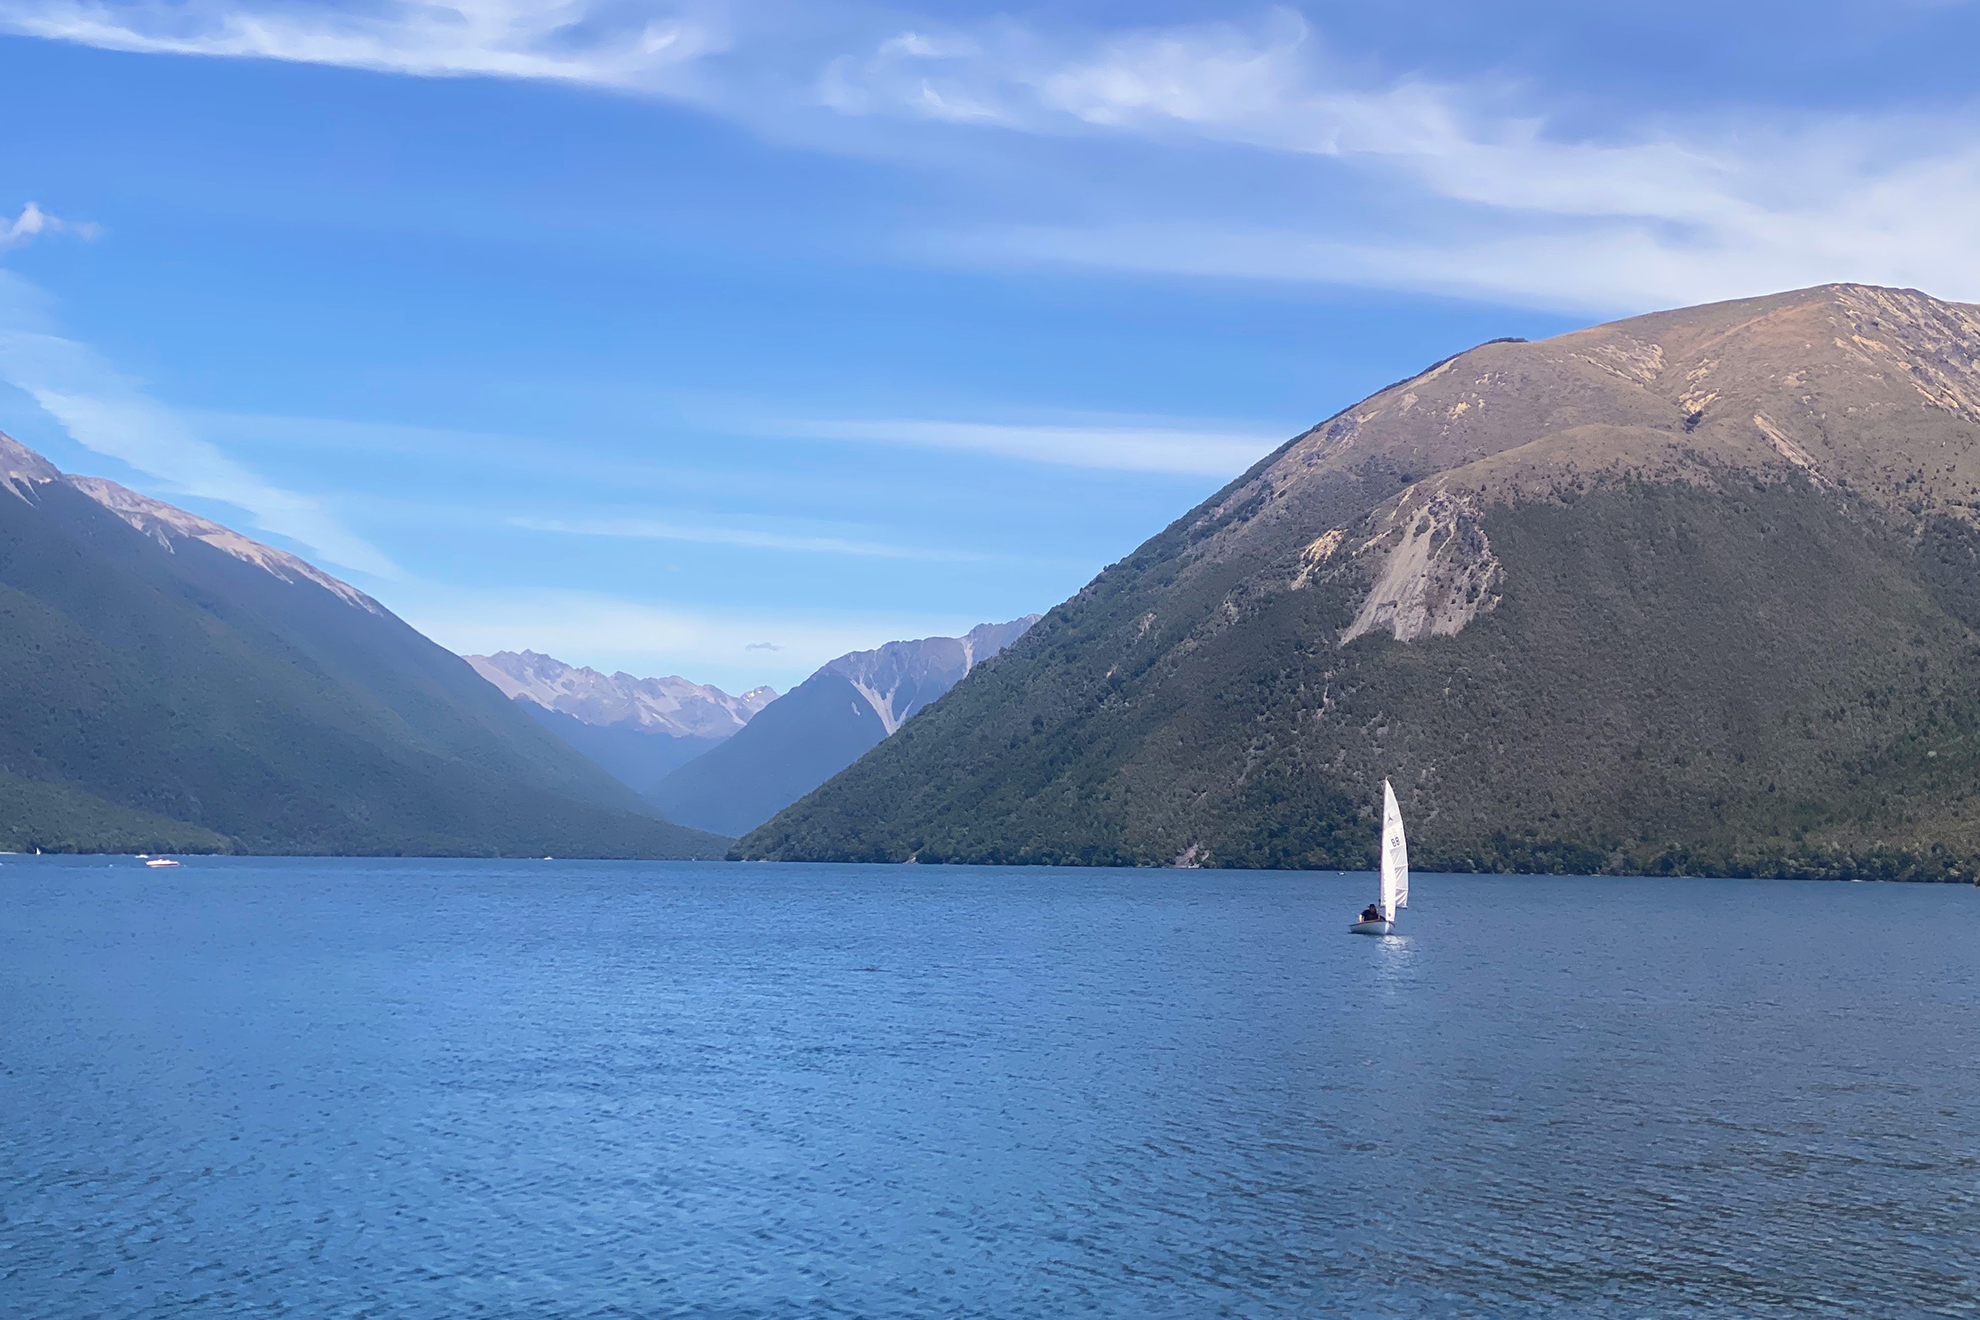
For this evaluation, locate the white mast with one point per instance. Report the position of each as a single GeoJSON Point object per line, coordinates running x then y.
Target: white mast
{"type": "Point", "coordinates": [1395, 856]}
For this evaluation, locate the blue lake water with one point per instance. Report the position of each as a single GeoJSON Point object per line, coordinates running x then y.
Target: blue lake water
{"type": "Point", "coordinates": [417, 1089]}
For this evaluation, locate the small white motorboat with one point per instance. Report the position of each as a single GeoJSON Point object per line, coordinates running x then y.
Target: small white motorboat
{"type": "Point", "coordinates": [1395, 871]}
{"type": "Point", "coordinates": [161, 861]}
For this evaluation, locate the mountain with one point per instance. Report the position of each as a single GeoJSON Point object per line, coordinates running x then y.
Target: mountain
{"type": "Point", "coordinates": [636, 728]}
{"type": "Point", "coordinates": [173, 685]}
{"type": "Point", "coordinates": [822, 726]}
{"type": "Point", "coordinates": [1696, 592]}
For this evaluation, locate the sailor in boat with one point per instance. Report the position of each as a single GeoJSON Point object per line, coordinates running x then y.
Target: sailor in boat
{"type": "Point", "coordinates": [1378, 918]}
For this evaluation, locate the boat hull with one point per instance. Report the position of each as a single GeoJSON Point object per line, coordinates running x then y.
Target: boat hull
{"type": "Point", "coordinates": [1371, 928]}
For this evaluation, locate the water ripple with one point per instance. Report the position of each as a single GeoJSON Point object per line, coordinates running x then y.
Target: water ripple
{"type": "Point", "coordinates": [414, 1089]}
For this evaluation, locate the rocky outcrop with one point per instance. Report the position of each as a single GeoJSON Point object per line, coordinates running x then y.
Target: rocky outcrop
{"type": "Point", "coordinates": [1433, 569]}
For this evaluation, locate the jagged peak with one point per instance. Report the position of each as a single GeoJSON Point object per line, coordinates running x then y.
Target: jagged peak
{"type": "Point", "coordinates": [673, 705]}
{"type": "Point", "coordinates": [21, 467]}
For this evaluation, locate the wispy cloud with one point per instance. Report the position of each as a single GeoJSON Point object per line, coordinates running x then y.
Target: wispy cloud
{"type": "Point", "coordinates": [33, 222]}
{"type": "Point", "coordinates": [631, 47]}
{"type": "Point", "coordinates": [1467, 185]}
{"type": "Point", "coordinates": [1507, 204]}
{"type": "Point", "coordinates": [1179, 451]}
{"type": "Point", "coordinates": [559, 458]}
{"type": "Point", "coordinates": [1601, 271]}
{"type": "Point", "coordinates": [106, 411]}
{"type": "Point", "coordinates": [1184, 446]}
{"type": "Point", "coordinates": [648, 530]}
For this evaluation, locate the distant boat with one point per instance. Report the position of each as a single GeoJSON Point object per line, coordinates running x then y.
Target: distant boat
{"type": "Point", "coordinates": [1395, 870]}
{"type": "Point", "coordinates": [161, 861]}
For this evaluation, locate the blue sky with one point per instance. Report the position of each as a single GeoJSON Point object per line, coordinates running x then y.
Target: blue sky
{"type": "Point", "coordinates": [719, 339]}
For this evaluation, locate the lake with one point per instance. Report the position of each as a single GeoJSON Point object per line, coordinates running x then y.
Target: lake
{"type": "Point", "coordinates": [257, 1087]}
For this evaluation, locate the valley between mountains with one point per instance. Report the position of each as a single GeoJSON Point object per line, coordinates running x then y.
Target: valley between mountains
{"type": "Point", "coordinates": [1692, 593]}
{"type": "Point", "coordinates": [728, 764]}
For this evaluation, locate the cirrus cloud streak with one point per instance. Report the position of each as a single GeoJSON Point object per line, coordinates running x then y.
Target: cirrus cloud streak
{"type": "Point", "coordinates": [1154, 449]}
{"type": "Point", "coordinates": [631, 48]}
{"type": "Point", "coordinates": [647, 529]}
{"type": "Point", "coordinates": [107, 412]}
{"type": "Point", "coordinates": [1476, 186]}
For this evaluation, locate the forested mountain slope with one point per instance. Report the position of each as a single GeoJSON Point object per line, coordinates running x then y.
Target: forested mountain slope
{"type": "Point", "coordinates": [173, 685]}
{"type": "Point", "coordinates": [1691, 592]}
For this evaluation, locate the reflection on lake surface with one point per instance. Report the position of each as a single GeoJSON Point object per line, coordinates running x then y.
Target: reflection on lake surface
{"type": "Point", "coordinates": [416, 1089]}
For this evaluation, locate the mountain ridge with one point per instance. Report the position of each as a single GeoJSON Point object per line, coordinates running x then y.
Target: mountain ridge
{"type": "Point", "coordinates": [672, 705]}
{"type": "Point", "coordinates": [896, 679]}
{"type": "Point", "coordinates": [637, 729]}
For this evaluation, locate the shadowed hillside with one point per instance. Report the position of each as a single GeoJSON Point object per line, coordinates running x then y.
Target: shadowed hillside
{"type": "Point", "coordinates": [173, 685]}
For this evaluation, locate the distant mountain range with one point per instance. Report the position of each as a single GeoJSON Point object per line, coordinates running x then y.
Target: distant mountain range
{"type": "Point", "coordinates": [820, 727]}
{"type": "Point", "coordinates": [636, 728]}
{"type": "Point", "coordinates": [173, 685]}
{"type": "Point", "coordinates": [1696, 592]}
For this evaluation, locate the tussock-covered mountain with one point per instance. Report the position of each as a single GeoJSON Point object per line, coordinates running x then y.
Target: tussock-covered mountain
{"type": "Point", "coordinates": [1691, 592]}
{"type": "Point", "coordinates": [636, 728]}
{"type": "Point", "coordinates": [173, 685]}
{"type": "Point", "coordinates": [821, 726]}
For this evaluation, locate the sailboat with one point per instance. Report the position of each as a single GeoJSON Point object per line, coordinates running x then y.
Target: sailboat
{"type": "Point", "coordinates": [1395, 870]}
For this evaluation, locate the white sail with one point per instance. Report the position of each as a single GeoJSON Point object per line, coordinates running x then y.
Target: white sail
{"type": "Point", "coordinates": [1395, 856]}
